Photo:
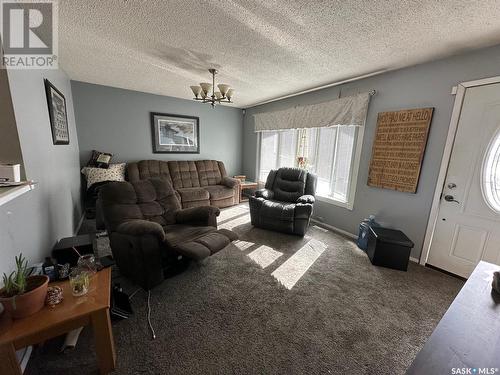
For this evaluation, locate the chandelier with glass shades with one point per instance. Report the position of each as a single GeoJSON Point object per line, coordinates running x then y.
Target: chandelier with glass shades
{"type": "Point", "coordinates": [202, 92]}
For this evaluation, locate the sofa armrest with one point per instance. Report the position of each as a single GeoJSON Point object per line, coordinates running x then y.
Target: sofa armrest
{"type": "Point", "coordinates": [230, 182]}
{"type": "Point", "coordinates": [264, 193]}
{"type": "Point", "coordinates": [141, 228]}
{"type": "Point", "coordinates": [204, 215]}
{"type": "Point", "coordinates": [306, 199]}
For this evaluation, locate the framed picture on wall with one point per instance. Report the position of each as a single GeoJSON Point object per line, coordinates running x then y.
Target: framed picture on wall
{"type": "Point", "coordinates": [175, 134]}
{"type": "Point", "coordinates": [57, 113]}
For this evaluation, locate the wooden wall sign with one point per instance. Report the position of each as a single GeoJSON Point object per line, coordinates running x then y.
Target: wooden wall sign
{"type": "Point", "coordinates": [398, 149]}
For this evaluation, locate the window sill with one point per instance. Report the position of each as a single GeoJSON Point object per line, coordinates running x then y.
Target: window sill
{"type": "Point", "coordinates": [328, 200]}
{"type": "Point", "coordinates": [12, 192]}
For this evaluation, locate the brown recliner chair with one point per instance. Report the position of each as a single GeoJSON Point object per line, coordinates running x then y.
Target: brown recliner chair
{"type": "Point", "coordinates": [286, 203]}
{"type": "Point", "coordinates": [148, 229]}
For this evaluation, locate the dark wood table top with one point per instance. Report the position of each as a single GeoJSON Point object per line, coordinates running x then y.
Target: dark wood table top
{"type": "Point", "coordinates": [468, 335]}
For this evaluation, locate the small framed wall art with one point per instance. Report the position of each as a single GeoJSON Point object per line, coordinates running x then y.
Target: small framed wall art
{"type": "Point", "coordinates": [175, 134]}
{"type": "Point", "coordinates": [57, 113]}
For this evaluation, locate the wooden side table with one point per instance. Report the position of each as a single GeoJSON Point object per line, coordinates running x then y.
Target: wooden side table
{"type": "Point", "coordinates": [71, 313]}
{"type": "Point", "coordinates": [247, 185]}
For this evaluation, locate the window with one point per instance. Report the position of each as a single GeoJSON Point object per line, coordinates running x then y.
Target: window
{"type": "Point", "coordinates": [331, 153]}
{"type": "Point", "coordinates": [491, 174]}
{"type": "Point", "coordinates": [279, 150]}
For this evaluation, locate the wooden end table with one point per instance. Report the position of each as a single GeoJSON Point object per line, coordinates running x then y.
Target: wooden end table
{"type": "Point", "coordinates": [71, 313]}
{"type": "Point", "coordinates": [247, 185]}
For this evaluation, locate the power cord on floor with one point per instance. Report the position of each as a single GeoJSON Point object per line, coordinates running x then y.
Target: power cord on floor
{"type": "Point", "coordinates": [149, 316]}
{"type": "Point", "coordinates": [134, 293]}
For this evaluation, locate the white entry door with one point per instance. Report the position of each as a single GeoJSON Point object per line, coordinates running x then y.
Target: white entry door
{"type": "Point", "coordinates": [467, 229]}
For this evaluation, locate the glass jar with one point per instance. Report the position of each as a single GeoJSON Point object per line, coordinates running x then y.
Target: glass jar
{"type": "Point", "coordinates": [87, 262]}
{"type": "Point", "coordinates": [79, 280]}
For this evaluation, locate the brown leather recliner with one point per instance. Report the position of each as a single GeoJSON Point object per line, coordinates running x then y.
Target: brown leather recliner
{"type": "Point", "coordinates": [148, 229]}
{"type": "Point", "coordinates": [286, 203]}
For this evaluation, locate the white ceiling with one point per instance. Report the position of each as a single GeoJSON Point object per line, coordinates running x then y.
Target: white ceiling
{"type": "Point", "coordinates": [263, 48]}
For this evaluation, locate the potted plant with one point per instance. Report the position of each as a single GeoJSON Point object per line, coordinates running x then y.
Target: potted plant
{"type": "Point", "coordinates": [23, 295]}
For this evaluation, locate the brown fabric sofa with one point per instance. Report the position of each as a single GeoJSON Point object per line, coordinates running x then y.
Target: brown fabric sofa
{"type": "Point", "coordinates": [148, 229]}
{"type": "Point", "coordinates": [197, 183]}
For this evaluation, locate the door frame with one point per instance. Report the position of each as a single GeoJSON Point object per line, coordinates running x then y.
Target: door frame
{"type": "Point", "coordinates": [459, 92]}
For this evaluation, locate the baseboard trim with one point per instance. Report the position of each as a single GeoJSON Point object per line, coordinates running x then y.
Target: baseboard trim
{"type": "Point", "coordinates": [347, 234]}
{"type": "Point", "coordinates": [335, 229]}
{"type": "Point", "coordinates": [79, 226]}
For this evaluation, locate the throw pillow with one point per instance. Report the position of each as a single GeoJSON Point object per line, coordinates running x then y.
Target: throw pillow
{"type": "Point", "coordinates": [99, 159]}
{"type": "Point", "coordinates": [115, 172]}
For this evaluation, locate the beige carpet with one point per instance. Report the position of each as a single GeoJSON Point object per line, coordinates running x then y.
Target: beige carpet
{"type": "Point", "coordinates": [274, 304]}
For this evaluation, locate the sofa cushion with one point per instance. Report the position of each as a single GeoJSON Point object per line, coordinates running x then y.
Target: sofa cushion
{"type": "Point", "coordinates": [114, 172]}
{"type": "Point", "coordinates": [193, 194]}
{"type": "Point", "coordinates": [152, 200]}
{"type": "Point", "coordinates": [184, 174]}
{"type": "Point", "coordinates": [157, 200]}
{"type": "Point", "coordinates": [218, 192]}
{"type": "Point", "coordinates": [289, 184]}
{"type": "Point", "coordinates": [221, 203]}
{"type": "Point", "coordinates": [205, 245]}
{"type": "Point", "coordinates": [278, 210]}
{"type": "Point", "coordinates": [141, 228]}
{"type": "Point", "coordinates": [179, 233]}
{"type": "Point", "coordinates": [146, 169]}
{"type": "Point", "coordinates": [209, 172]}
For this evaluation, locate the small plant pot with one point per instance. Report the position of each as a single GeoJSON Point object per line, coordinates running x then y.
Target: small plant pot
{"type": "Point", "coordinates": [29, 302]}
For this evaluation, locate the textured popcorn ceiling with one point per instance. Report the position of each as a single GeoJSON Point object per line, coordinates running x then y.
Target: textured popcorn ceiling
{"type": "Point", "coordinates": [263, 48]}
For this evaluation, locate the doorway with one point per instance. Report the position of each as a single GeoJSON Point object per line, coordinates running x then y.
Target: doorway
{"type": "Point", "coordinates": [464, 225]}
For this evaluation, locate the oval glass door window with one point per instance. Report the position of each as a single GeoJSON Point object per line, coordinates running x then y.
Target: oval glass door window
{"type": "Point", "coordinates": [491, 174]}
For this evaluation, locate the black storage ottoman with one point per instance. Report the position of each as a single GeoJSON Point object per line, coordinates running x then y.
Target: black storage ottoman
{"type": "Point", "coordinates": [389, 248]}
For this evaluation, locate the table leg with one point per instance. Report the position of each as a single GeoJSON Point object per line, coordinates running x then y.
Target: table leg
{"type": "Point", "coordinates": [103, 335]}
{"type": "Point", "coordinates": [8, 360]}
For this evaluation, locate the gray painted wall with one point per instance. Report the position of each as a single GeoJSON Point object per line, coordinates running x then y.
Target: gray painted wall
{"type": "Point", "coordinates": [33, 222]}
{"type": "Point", "coordinates": [118, 121]}
{"type": "Point", "coordinates": [426, 85]}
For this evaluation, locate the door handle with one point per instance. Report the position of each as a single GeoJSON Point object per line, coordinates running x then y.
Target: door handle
{"type": "Point", "coordinates": [450, 198]}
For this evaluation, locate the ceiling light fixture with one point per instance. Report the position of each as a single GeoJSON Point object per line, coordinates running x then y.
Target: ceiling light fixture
{"type": "Point", "coordinates": [202, 92]}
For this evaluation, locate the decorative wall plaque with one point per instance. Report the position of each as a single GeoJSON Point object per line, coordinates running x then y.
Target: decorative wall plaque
{"type": "Point", "coordinates": [398, 149]}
